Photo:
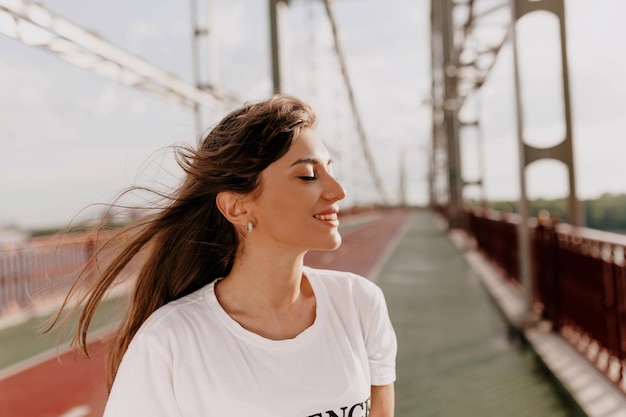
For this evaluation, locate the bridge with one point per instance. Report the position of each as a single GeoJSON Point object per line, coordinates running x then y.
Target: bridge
{"type": "Point", "coordinates": [497, 313]}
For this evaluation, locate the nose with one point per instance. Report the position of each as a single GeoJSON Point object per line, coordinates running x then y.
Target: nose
{"type": "Point", "coordinates": [334, 191]}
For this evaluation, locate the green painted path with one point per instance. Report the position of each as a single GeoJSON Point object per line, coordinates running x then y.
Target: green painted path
{"type": "Point", "coordinates": [454, 356]}
{"type": "Point", "coordinates": [25, 340]}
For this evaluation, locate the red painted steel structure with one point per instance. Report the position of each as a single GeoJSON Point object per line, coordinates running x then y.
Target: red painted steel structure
{"type": "Point", "coordinates": [579, 280]}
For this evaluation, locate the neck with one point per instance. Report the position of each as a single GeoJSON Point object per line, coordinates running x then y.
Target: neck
{"type": "Point", "coordinates": [265, 281]}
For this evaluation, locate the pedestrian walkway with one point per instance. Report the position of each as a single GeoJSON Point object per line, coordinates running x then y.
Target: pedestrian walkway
{"type": "Point", "coordinates": [455, 357]}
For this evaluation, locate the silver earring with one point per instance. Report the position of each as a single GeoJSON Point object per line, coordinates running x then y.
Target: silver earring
{"type": "Point", "coordinates": [250, 226]}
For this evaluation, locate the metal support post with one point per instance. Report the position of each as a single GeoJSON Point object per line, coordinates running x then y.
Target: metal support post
{"type": "Point", "coordinates": [204, 44]}
{"type": "Point", "coordinates": [528, 154]}
{"type": "Point", "coordinates": [522, 205]}
{"type": "Point", "coordinates": [435, 51]}
{"type": "Point", "coordinates": [450, 114]}
{"type": "Point", "coordinates": [275, 10]}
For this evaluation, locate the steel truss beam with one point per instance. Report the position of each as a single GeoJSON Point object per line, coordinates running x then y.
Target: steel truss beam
{"type": "Point", "coordinates": [467, 37]}
{"type": "Point", "coordinates": [35, 25]}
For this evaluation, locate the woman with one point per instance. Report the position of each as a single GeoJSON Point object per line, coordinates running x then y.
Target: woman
{"type": "Point", "coordinates": [224, 319]}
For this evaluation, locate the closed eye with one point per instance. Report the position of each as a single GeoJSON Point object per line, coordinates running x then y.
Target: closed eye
{"type": "Point", "coordinates": [307, 178]}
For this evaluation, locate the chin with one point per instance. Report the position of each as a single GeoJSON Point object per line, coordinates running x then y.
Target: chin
{"type": "Point", "coordinates": [328, 243]}
{"type": "Point", "coordinates": [335, 244]}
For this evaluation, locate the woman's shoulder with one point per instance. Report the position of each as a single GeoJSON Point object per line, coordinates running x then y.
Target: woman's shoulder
{"type": "Point", "coordinates": [177, 315]}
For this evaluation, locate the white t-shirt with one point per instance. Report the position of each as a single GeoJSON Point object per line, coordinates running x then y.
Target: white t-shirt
{"type": "Point", "coordinates": [191, 359]}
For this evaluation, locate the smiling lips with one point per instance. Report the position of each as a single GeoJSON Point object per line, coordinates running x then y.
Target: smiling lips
{"type": "Point", "coordinates": [329, 216]}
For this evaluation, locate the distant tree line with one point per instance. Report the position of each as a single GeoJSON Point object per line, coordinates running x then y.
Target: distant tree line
{"type": "Point", "coordinates": [607, 212]}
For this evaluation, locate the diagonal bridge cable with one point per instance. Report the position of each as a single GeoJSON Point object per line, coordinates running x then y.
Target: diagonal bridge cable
{"type": "Point", "coordinates": [355, 110]}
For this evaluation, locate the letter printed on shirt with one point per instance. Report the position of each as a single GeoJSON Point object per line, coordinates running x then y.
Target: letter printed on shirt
{"type": "Point", "coordinates": [353, 407]}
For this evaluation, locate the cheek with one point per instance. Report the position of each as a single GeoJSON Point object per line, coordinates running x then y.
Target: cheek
{"type": "Point", "coordinates": [287, 196]}
{"type": "Point", "coordinates": [292, 214]}
{"type": "Point", "coordinates": [281, 208]}
{"type": "Point", "coordinates": [283, 201]}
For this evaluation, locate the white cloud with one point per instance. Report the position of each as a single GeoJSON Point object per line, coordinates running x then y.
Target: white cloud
{"type": "Point", "coordinates": [230, 24]}
{"type": "Point", "coordinates": [179, 29]}
{"type": "Point", "coordinates": [141, 30]}
{"type": "Point", "coordinates": [106, 103]}
{"type": "Point", "coordinates": [26, 107]}
{"type": "Point", "coordinates": [137, 106]}
{"type": "Point", "coordinates": [599, 152]}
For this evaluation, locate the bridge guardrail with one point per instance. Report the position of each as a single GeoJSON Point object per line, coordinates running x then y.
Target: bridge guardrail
{"type": "Point", "coordinates": [43, 268]}
{"type": "Point", "coordinates": [579, 280]}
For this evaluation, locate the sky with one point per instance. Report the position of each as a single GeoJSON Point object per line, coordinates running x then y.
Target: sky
{"type": "Point", "coordinates": [70, 139]}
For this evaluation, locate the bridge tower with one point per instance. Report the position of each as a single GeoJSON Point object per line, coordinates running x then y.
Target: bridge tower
{"type": "Point", "coordinates": [460, 67]}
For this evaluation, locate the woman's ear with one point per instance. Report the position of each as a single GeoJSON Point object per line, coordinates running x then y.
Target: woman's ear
{"type": "Point", "coordinates": [233, 206]}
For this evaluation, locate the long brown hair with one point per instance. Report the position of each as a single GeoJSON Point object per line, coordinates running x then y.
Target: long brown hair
{"type": "Point", "coordinates": [189, 243]}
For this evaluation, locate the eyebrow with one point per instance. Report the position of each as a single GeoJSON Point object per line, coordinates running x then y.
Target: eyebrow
{"type": "Point", "coordinates": [313, 161]}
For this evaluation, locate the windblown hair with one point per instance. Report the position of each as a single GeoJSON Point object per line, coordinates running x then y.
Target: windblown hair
{"type": "Point", "coordinates": [189, 243]}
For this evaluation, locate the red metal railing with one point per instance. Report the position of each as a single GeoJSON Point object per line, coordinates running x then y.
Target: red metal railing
{"type": "Point", "coordinates": [579, 280]}
{"type": "Point", "coordinates": [496, 235]}
{"type": "Point", "coordinates": [587, 301]}
{"type": "Point", "coordinates": [42, 268]}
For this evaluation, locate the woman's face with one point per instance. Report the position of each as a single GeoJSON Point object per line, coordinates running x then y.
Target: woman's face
{"type": "Point", "coordinates": [297, 205]}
